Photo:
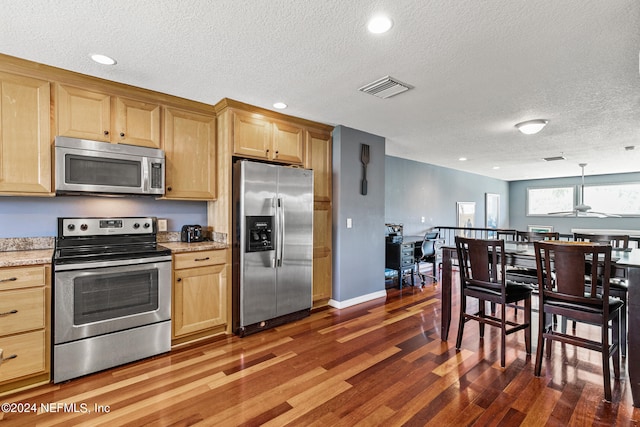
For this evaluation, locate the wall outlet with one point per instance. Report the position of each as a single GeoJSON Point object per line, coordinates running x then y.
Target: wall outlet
{"type": "Point", "coordinates": [349, 223]}
{"type": "Point", "coordinates": [162, 224]}
{"type": "Point", "coordinates": [422, 219]}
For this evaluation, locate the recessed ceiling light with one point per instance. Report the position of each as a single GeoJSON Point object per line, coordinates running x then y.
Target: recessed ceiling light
{"type": "Point", "coordinates": [531, 126]}
{"type": "Point", "coordinates": [496, 167]}
{"type": "Point", "coordinates": [103, 59]}
{"type": "Point", "coordinates": [379, 24]}
{"type": "Point", "coordinates": [462, 159]}
{"type": "Point", "coordinates": [280, 105]}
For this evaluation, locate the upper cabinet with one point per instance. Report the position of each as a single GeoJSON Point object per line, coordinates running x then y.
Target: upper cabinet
{"type": "Point", "coordinates": [264, 138]}
{"type": "Point", "coordinates": [319, 159]}
{"type": "Point", "coordinates": [88, 114]}
{"type": "Point", "coordinates": [190, 155]}
{"type": "Point", "coordinates": [25, 140]}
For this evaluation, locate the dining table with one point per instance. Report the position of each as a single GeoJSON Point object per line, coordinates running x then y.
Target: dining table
{"type": "Point", "coordinates": [521, 254]}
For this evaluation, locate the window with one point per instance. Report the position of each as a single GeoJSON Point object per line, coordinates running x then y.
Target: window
{"type": "Point", "coordinates": [542, 201]}
{"type": "Point", "coordinates": [618, 199]}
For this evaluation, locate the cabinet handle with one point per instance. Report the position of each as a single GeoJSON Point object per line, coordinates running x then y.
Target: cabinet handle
{"type": "Point", "coordinates": [106, 132]}
{"type": "Point", "coordinates": [168, 188]}
{"type": "Point", "coordinates": [10, 279]}
{"type": "Point", "coordinates": [201, 259]}
{"type": "Point", "coordinates": [267, 151]}
{"type": "Point", "coordinates": [122, 134]}
{"type": "Point", "coordinates": [13, 356]}
{"type": "Point", "coordinates": [178, 280]}
{"type": "Point", "coordinates": [6, 313]}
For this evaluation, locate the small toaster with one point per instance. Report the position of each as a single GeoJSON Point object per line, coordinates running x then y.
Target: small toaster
{"type": "Point", "coordinates": [191, 233]}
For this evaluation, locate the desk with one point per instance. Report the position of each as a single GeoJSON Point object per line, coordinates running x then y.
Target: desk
{"type": "Point", "coordinates": [401, 256]}
{"type": "Point", "coordinates": [524, 256]}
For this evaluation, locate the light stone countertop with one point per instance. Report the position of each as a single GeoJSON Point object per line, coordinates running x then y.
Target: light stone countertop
{"type": "Point", "coordinates": [39, 250]}
{"type": "Point", "coordinates": [178, 247]}
{"type": "Point", "coordinates": [19, 258]}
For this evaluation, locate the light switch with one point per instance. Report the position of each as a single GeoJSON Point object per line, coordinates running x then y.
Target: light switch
{"type": "Point", "coordinates": [349, 223]}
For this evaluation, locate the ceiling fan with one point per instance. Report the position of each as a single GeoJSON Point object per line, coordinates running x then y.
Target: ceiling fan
{"type": "Point", "coordinates": [582, 209]}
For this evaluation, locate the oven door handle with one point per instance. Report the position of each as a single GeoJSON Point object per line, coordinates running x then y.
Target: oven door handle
{"type": "Point", "coordinates": [112, 263]}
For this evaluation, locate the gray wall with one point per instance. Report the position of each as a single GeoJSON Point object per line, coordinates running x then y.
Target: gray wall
{"type": "Point", "coordinates": [414, 190]}
{"type": "Point", "coordinates": [517, 205]}
{"type": "Point", "coordinates": [36, 216]}
{"type": "Point", "coordinates": [358, 252]}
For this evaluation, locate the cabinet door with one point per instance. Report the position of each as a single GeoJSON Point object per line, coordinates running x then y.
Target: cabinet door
{"type": "Point", "coordinates": [27, 355]}
{"type": "Point", "coordinates": [319, 159]}
{"type": "Point", "coordinates": [25, 140]}
{"type": "Point", "coordinates": [137, 123]}
{"type": "Point", "coordinates": [190, 155]}
{"type": "Point", "coordinates": [199, 299]}
{"type": "Point", "coordinates": [288, 143]}
{"type": "Point", "coordinates": [251, 136]}
{"type": "Point", "coordinates": [83, 113]}
{"type": "Point", "coordinates": [322, 270]}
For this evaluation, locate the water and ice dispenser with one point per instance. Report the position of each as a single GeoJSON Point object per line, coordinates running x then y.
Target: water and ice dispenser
{"type": "Point", "coordinates": [259, 233]}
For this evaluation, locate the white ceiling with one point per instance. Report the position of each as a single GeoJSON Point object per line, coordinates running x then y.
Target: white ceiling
{"type": "Point", "coordinates": [478, 68]}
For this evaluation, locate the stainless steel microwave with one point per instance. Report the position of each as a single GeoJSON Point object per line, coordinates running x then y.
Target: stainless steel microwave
{"type": "Point", "coordinates": [93, 167]}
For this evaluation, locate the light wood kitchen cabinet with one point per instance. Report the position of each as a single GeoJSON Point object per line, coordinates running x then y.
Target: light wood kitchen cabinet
{"type": "Point", "coordinates": [318, 149]}
{"type": "Point", "coordinates": [99, 116]}
{"type": "Point", "coordinates": [263, 138]}
{"type": "Point", "coordinates": [25, 140]}
{"type": "Point", "coordinates": [24, 326]}
{"type": "Point", "coordinates": [190, 155]}
{"type": "Point", "coordinates": [248, 131]}
{"type": "Point", "coordinates": [199, 295]}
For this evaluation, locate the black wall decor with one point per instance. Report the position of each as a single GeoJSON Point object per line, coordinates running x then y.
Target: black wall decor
{"type": "Point", "coordinates": [364, 159]}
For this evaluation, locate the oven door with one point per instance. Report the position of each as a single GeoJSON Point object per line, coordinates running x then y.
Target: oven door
{"type": "Point", "coordinates": [100, 298]}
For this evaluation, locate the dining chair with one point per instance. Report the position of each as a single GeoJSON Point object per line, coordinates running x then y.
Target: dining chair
{"type": "Point", "coordinates": [428, 253]}
{"type": "Point", "coordinates": [565, 291]}
{"type": "Point", "coordinates": [482, 276]}
{"type": "Point", "coordinates": [618, 285]}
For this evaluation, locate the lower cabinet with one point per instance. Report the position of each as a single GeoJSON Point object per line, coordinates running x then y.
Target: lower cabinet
{"type": "Point", "coordinates": [199, 295]}
{"type": "Point", "coordinates": [24, 327]}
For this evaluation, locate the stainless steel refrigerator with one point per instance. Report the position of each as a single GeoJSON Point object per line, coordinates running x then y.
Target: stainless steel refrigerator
{"type": "Point", "coordinates": [272, 245]}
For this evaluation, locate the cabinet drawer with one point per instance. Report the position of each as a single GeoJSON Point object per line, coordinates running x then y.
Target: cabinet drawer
{"type": "Point", "coordinates": [29, 349]}
{"type": "Point", "coordinates": [21, 310]}
{"type": "Point", "coordinates": [21, 277]}
{"type": "Point", "coordinates": [199, 259]}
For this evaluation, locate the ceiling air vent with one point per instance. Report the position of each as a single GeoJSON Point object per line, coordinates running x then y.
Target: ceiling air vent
{"type": "Point", "coordinates": [385, 87]}
{"type": "Point", "coordinates": [553, 159]}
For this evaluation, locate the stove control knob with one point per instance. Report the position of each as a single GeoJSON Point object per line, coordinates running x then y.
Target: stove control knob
{"type": "Point", "coordinates": [71, 227]}
{"type": "Point", "coordinates": [84, 227]}
{"type": "Point", "coordinates": [147, 225]}
{"type": "Point", "coordinates": [136, 225]}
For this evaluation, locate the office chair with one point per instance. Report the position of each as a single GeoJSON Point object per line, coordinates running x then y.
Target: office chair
{"type": "Point", "coordinates": [428, 253]}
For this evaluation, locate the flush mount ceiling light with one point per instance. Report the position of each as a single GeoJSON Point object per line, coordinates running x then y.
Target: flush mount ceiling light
{"type": "Point", "coordinates": [280, 105]}
{"type": "Point", "coordinates": [103, 59]}
{"type": "Point", "coordinates": [379, 24]}
{"type": "Point", "coordinates": [531, 126]}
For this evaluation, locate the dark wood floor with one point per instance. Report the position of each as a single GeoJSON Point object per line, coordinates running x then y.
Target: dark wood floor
{"type": "Point", "coordinates": [378, 363]}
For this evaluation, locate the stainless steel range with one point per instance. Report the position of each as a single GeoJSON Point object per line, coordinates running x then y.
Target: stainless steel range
{"type": "Point", "coordinates": [111, 294]}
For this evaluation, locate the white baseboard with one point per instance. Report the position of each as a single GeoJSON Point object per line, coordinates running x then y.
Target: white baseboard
{"type": "Point", "coordinates": [357, 300]}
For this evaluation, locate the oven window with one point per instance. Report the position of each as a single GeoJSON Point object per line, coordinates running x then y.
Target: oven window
{"type": "Point", "coordinates": [98, 171]}
{"type": "Point", "coordinates": [107, 296]}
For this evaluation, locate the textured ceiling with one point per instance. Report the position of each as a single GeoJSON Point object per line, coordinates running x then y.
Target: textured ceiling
{"type": "Point", "coordinates": [478, 67]}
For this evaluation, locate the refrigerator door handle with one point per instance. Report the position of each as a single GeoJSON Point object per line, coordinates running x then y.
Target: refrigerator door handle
{"type": "Point", "coordinates": [280, 238]}
{"type": "Point", "coordinates": [282, 231]}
